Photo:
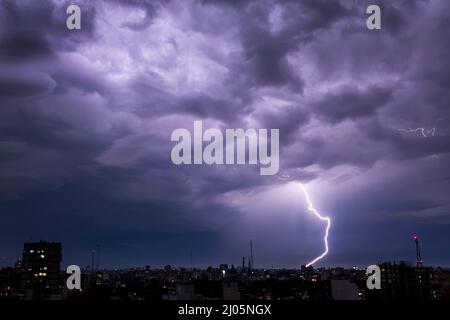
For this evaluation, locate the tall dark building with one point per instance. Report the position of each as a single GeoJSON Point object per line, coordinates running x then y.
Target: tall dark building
{"type": "Point", "coordinates": [404, 281]}
{"type": "Point", "coordinates": [41, 269]}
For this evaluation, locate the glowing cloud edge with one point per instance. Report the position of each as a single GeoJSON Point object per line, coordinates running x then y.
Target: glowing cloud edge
{"type": "Point", "coordinates": [318, 215]}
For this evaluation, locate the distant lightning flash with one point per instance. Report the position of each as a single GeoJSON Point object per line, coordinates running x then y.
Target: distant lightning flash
{"type": "Point", "coordinates": [317, 214]}
{"type": "Point", "coordinates": [425, 132]}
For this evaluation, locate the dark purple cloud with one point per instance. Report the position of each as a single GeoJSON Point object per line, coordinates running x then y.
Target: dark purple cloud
{"type": "Point", "coordinates": [86, 118]}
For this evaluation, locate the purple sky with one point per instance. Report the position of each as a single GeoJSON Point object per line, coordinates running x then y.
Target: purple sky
{"type": "Point", "coordinates": [86, 118]}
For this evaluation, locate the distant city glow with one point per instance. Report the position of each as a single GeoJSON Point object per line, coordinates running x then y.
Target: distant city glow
{"type": "Point", "coordinates": [318, 215]}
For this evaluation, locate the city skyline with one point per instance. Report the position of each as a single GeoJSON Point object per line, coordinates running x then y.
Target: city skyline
{"type": "Point", "coordinates": [39, 276]}
{"type": "Point", "coordinates": [94, 262]}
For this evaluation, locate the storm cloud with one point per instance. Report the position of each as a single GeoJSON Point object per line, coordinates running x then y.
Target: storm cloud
{"type": "Point", "coordinates": [86, 118]}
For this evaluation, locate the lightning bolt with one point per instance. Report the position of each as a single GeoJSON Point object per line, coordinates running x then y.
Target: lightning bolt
{"type": "Point", "coordinates": [425, 132]}
{"type": "Point", "coordinates": [318, 215]}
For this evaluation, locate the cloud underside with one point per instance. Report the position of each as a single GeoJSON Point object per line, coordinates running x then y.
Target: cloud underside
{"type": "Point", "coordinates": [93, 110]}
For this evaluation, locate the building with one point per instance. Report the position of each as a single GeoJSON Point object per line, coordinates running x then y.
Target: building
{"type": "Point", "coordinates": [41, 271]}
{"type": "Point", "coordinates": [8, 283]}
{"type": "Point", "coordinates": [185, 292]}
{"type": "Point", "coordinates": [404, 281]}
{"type": "Point", "coordinates": [344, 290]}
{"type": "Point", "coordinates": [231, 291]}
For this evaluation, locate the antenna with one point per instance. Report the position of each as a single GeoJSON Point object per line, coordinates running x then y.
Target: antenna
{"type": "Point", "coordinates": [92, 260]}
{"type": "Point", "coordinates": [419, 261]}
{"type": "Point", "coordinates": [251, 254]}
{"type": "Point", "coordinates": [98, 256]}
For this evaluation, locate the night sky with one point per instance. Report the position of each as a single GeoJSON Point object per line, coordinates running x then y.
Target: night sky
{"type": "Point", "coordinates": [86, 118]}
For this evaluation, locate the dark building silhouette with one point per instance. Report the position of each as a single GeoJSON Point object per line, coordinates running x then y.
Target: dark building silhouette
{"type": "Point", "coordinates": [9, 279]}
{"type": "Point", "coordinates": [41, 269]}
{"type": "Point", "coordinates": [403, 281]}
